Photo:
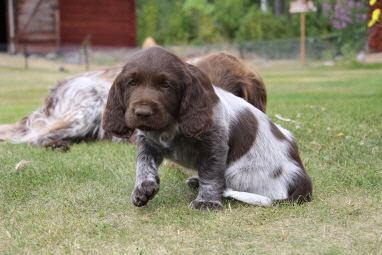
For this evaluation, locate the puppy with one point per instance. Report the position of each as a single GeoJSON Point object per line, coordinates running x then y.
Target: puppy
{"type": "Point", "coordinates": [235, 149]}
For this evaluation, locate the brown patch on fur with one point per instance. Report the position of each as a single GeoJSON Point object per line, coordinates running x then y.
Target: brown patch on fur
{"type": "Point", "coordinates": [276, 131]}
{"type": "Point", "coordinates": [302, 188]}
{"type": "Point", "coordinates": [234, 75]}
{"type": "Point", "coordinates": [277, 173]}
{"type": "Point", "coordinates": [55, 128]}
{"type": "Point", "coordinates": [242, 135]}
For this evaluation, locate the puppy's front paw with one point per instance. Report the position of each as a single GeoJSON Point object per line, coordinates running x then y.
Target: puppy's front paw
{"type": "Point", "coordinates": [145, 191]}
{"type": "Point", "coordinates": [207, 205]}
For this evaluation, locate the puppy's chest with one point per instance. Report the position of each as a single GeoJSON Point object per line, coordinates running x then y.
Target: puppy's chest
{"type": "Point", "coordinates": [181, 150]}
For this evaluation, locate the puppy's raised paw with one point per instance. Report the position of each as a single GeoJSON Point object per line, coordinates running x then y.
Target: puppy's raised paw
{"type": "Point", "coordinates": [145, 192]}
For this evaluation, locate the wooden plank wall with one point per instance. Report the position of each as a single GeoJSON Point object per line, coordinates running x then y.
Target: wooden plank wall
{"type": "Point", "coordinates": [107, 22]}
{"type": "Point", "coordinates": [36, 25]}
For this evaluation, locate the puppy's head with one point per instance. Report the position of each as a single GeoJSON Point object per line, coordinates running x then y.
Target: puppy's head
{"type": "Point", "coordinates": [155, 91]}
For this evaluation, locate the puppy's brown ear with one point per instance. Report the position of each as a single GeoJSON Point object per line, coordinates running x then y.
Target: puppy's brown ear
{"type": "Point", "coordinates": [113, 120]}
{"type": "Point", "coordinates": [199, 98]}
{"type": "Point", "coordinates": [254, 90]}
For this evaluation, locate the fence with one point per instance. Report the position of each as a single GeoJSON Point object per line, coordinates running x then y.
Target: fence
{"type": "Point", "coordinates": [329, 48]}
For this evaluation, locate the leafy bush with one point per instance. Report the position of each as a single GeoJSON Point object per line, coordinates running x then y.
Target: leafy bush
{"type": "Point", "coordinates": [196, 22]}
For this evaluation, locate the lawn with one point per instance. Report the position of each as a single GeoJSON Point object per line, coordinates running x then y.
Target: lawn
{"type": "Point", "coordinates": [79, 202]}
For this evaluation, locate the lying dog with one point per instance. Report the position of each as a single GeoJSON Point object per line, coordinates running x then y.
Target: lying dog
{"type": "Point", "coordinates": [72, 111]}
{"type": "Point", "coordinates": [236, 150]}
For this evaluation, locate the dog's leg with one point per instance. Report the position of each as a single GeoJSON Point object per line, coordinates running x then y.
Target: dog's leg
{"type": "Point", "coordinates": [52, 137]}
{"type": "Point", "coordinates": [211, 173]}
{"type": "Point", "coordinates": [147, 179]}
{"type": "Point", "coordinates": [193, 182]}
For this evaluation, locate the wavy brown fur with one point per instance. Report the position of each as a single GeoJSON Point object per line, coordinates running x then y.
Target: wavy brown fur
{"type": "Point", "coordinates": [234, 75]}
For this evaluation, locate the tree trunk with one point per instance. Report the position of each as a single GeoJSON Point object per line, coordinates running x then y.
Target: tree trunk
{"type": "Point", "coordinates": [278, 8]}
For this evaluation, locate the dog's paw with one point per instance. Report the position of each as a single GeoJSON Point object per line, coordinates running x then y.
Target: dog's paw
{"type": "Point", "coordinates": [58, 145]}
{"type": "Point", "coordinates": [193, 182]}
{"type": "Point", "coordinates": [207, 205]}
{"type": "Point", "coordinates": [145, 191]}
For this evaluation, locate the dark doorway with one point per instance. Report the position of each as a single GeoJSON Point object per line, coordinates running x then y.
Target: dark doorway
{"type": "Point", "coordinates": [3, 26]}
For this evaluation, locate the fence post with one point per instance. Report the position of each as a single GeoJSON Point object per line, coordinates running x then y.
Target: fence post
{"type": "Point", "coordinates": [86, 43]}
{"type": "Point", "coordinates": [26, 55]}
{"type": "Point", "coordinates": [302, 33]}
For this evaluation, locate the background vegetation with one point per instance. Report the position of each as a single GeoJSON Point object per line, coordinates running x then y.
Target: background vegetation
{"type": "Point", "coordinates": [79, 202]}
{"type": "Point", "coordinates": [176, 22]}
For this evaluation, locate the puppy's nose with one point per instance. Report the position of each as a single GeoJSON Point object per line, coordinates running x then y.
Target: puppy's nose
{"type": "Point", "coordinates": [143, 112]}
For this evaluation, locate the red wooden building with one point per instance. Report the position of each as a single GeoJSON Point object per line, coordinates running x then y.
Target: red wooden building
{"type": "Point", "coordinates": [50, 25]}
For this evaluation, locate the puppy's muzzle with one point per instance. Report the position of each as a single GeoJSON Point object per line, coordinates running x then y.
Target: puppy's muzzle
{"type": "Point", "coordinates": [143, 112]}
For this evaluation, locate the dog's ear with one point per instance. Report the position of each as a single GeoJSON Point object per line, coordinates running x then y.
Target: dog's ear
{"type": "Point", "coordinates": [254, 90]}
{"type": "Point", "coordinates": [113, 120]}
{"type": "Point", "coordinates": [199, 98]}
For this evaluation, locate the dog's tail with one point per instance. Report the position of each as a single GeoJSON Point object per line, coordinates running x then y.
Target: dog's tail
{"type": "Point", "coordinates": [14, 132]}
{"type": "Point", "coordinates": [248, 198]}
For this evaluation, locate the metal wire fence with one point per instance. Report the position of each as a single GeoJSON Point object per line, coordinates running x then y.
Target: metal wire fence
{"type": "Point", "coordinates": [324, 48]}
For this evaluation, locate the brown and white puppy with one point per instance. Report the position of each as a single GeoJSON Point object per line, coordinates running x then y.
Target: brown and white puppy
{"type": "Point", "coordinates": [235, 149]}
{"type": "Point", "coordinates": [72, 111]}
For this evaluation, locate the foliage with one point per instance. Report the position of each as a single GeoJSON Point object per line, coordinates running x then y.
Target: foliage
{"type": "Point", "coordinates": [172, 22]}
{"type": "Point", "coordinates": [175, 22]}
{"type": "Point", "coordinates": [347, 14]}
{"type": "Point", "coordinates": [209, 21]}
{"type": "Point", "coordinates": [348, 17]}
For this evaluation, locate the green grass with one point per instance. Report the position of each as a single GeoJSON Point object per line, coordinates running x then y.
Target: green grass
{"type": "Point", "coordinates": [79, 202]}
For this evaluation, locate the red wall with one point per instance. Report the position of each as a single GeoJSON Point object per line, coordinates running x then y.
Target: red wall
{"type": "Point", "coordinates": [108, 22]}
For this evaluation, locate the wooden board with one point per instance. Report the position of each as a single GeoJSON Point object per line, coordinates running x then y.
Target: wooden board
{"type": "Point", "coordinates": [109, 23]}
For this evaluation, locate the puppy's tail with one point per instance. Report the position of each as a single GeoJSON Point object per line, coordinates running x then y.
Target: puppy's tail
{"type": "Point", "coordinates": [248, 198]}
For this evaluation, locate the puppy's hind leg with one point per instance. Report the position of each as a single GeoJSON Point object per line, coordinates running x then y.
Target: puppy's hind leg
{"type": "Point", "coordinates": [193, 182]}
{"type": "Point", "coordinates": [53, 137]}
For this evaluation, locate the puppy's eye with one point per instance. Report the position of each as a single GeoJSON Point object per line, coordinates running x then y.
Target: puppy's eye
{"type": "Point", "coordinates": [165, 85]}
{"type": "Point", "coordinates": [132, 83]}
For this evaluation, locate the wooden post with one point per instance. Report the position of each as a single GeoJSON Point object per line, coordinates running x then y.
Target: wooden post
{"type": "Point", "coordinates": [86, 43]}
{"type": "Point", "coordinates": [302, 38]}
{"type": "Point", "coordinates": [26, 55]}
{"type": "Point", "coordinates": [11, 32]}
{"type": "Point", "coordinates": [57, 27]}
{"type": "Point", "coordinates": [302, 6]}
